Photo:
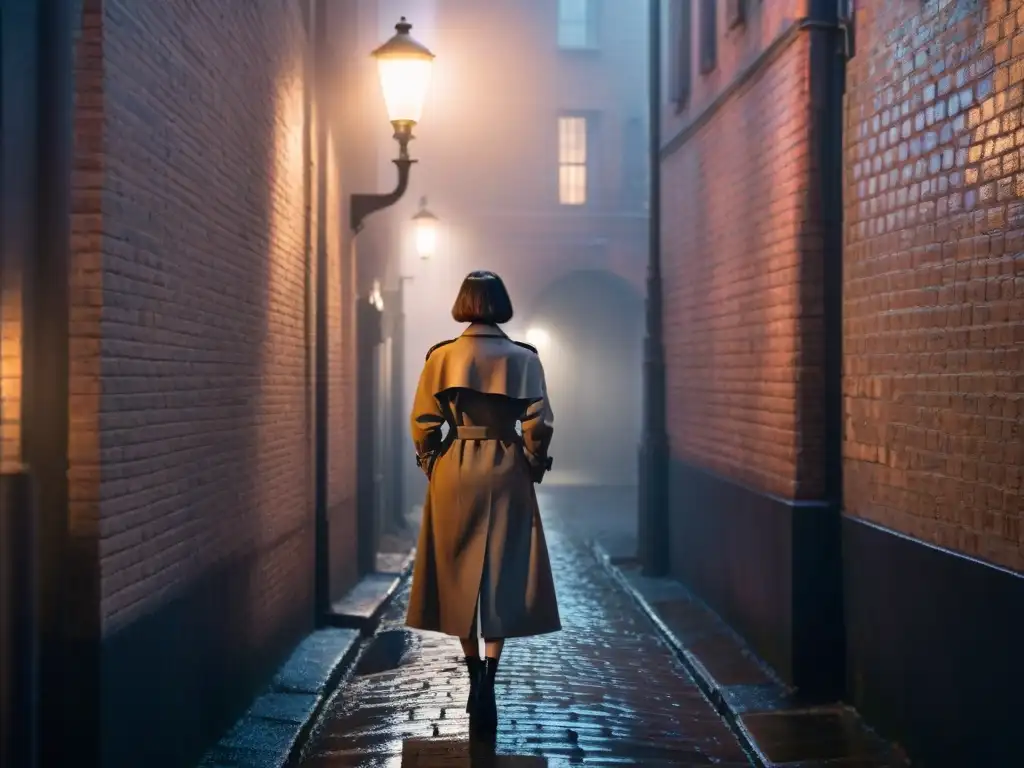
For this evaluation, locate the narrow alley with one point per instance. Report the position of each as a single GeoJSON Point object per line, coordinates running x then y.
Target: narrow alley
{"type": "Point", "coordinates": [739, 283]}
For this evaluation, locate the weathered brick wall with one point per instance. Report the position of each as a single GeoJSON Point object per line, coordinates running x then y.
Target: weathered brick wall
{"type": "Point", "coordinates": [192, 322]}
{"type": "Point", "coordinates": [735, 255]}
{"type": "Point", "coordinates": [934, 277]}
{"type": "Point", "coordinates": [202, 424]}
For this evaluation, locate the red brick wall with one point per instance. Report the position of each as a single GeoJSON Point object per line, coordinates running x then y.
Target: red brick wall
{"type": "Point", "coordinates": [202, 425]}
{"type": "Point", "coordinates": [739, 340]}
{"type": "Point", "coordinates": [934, 278]}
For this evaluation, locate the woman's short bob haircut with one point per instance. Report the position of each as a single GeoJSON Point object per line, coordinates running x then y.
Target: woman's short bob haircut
{"type": "Point", "coordinates": [482, 299]}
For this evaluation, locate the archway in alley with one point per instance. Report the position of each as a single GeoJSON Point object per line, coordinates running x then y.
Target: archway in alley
{"type": "Point", "coordinates": [588, 325]}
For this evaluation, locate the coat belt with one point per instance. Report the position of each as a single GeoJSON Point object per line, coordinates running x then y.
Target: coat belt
{"type": "Point", "coordinates": [484, 433]}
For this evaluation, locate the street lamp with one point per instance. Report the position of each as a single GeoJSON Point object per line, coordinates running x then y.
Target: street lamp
{"type": "Point", "coordinates": [404, 67]}
{"type": "Point", "coordinates": [426, 231]}
{"type": "Point", "coordinates": [376, 298]}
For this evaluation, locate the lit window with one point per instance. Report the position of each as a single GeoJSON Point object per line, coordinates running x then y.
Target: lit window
{"type": "Point", "coordinates": [572, 160]}
{"type": "Point", "coordinates": [576, 27]}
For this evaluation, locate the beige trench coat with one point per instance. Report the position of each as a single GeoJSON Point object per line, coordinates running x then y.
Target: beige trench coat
{"type": "Point", "coordinates": [481, 542]}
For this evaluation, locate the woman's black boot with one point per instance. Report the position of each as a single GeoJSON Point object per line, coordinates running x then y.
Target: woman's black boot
{"type": "Point", "coordinates": [475, 667]}
{"type": "Point", "coordinates": [485, 714]}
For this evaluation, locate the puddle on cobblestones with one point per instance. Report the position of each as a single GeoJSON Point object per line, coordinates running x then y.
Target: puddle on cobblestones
{"type": "Point", "coordinates": [387, 652]}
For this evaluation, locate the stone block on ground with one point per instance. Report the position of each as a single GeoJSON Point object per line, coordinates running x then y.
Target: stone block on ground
{"type": "Point", "coordinates": [267, 734]}
{"type": "Point", "coordinates": [361, 608]}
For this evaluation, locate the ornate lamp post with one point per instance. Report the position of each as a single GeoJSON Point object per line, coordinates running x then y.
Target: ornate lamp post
{"type": "Point", "coordinates": [404, 67]}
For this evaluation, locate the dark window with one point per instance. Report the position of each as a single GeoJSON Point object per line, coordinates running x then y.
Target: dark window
{"type": "Point", "coordinates": [635, 190]}
{"type": "Point", "coordinates": [681, 26]}
{"type": "Point", "coordinates": [577, 24]}
{"type": "Point", "coordinates": [708, 35]}
{"type": "Point", "coordinates": [736, 12]}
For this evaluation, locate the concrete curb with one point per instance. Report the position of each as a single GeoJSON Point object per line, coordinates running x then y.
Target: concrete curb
{"type": "Point", "coordinates": [365, 603]}
{"type": "Point", "coordinates": [705, 682]}
{"type": "Point", "coordinates": [275, 729]}
{"type": "Point", "coordinates": [762, 702]}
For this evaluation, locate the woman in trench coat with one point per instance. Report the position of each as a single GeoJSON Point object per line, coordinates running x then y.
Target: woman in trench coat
{"type": "Point", "coordinates": [482, 570]}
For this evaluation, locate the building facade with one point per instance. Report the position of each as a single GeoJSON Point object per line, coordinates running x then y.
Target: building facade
{"type": "Point", "coordinates": [536, 165]}
{"type": "Point", "coordinates": [187, 167]}
{"type": "Point", "coordinates": [842, 321]}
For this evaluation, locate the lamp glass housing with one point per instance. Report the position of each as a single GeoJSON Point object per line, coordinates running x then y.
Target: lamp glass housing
{"type": "Point", "coordinates": [425, 224]}
{"type": "Point", "coordinates": [426, 238]}
{"type": "Point", "coordinates": [404, 66]}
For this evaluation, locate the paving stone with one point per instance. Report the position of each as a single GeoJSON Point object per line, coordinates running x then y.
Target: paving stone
{"type": "Point", "coordinates": [312, 664]}
{"type": "Point", "coordinates": [365, 600]}
{"type": "Point", "coordinates": [815, 736]}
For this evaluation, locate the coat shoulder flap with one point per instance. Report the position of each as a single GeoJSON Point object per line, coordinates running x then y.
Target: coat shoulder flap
{"type": "Point", "coordinates": [437, 346]}
{"type": "Point", "coordinates": [524, 345]}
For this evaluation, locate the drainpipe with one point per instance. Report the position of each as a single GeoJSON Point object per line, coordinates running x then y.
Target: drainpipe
{"type": "Point", "coordinates": [821, 638]}
{"type": "Point", "coordinates": [653, 530]}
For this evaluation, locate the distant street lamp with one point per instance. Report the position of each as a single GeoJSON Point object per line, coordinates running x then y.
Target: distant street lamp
{"type": "Point", "coordinates": [404, 66]}
{"type": "Point", "coordinates": [426, 231]}
{"type": "Point", "coordinates": [376, 298]}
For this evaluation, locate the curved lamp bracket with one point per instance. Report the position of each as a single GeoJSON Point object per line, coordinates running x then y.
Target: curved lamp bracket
{"type": "Point", "coordinates": [362, 206]}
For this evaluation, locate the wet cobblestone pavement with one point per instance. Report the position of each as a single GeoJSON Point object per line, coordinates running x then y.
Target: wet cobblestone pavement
{"type": "Point", "coordinates": [604, 691]}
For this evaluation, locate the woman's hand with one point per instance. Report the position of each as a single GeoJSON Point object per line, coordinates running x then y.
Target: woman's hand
{"type": "Point", "coordinates": [538, 466]}
{"type": "Point", "coordinates": [425, 461]}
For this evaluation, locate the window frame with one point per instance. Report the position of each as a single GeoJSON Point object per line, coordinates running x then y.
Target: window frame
{"type": "Point", "coordinates": [708, 26]}
{"type": "Point", "coordinates": [681, 59]}
{"type": "Point", "coordinates": [634, 184]}
{"type": "Point", "coordinates": [587, 163]}
{"type": "Point", "coordinates": [590, 26]}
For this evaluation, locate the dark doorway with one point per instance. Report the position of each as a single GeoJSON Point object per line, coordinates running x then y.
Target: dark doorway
{"type": "Point", "coordinates": [588, 326]}
{"type": "Point", "coordinates": [369, 366]}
